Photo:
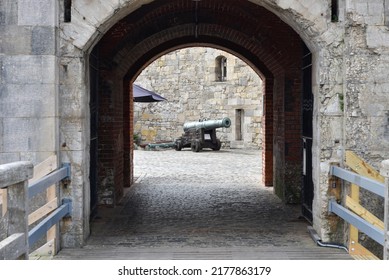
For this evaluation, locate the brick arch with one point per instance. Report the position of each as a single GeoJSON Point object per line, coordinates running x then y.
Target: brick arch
{"type": "Point", "coordinates": [241, 27]}
{"type": "Point", "coordinates": [93, 21]}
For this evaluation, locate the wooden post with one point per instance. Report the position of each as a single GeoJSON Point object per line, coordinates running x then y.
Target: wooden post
{"type": "Point", "coordinates": [14, 177]}
{"type": "Point", "coordinates": [4, 201]}
{"type": "Point", "coordinates": [17, 200]}
{"type": "Point", "coordinates": [385, 172]}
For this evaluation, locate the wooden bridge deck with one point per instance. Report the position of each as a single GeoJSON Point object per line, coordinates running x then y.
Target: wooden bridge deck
{"type": "Point", "coordinates": [259, 253]}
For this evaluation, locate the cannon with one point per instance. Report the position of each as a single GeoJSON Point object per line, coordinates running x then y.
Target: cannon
{"type": "Point", "coordinates": [201, 134]}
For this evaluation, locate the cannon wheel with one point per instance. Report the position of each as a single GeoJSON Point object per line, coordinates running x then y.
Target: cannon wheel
{"type": "Point", "coordinates": [178, 146]}
{"type": "Point", "coordinates": [217, 146]}
{"type": "Point", "coordinates": [196, 146]}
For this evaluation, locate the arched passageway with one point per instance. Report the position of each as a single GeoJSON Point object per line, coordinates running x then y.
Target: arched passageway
{"type": "Point", "coordinates": [246, 30]}
{"type": "Point", "coordinates": [101, 55]}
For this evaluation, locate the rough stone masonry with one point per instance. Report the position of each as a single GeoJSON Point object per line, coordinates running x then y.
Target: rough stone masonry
{"type": "Point", "coordinates": [189, 80]}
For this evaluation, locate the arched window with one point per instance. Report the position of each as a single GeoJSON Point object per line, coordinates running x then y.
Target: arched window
{"type": "Point", "coordinates": [221, 68]}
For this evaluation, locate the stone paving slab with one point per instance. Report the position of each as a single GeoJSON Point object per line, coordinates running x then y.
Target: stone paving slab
{"type": "Point", "coordinates": [200, 205]}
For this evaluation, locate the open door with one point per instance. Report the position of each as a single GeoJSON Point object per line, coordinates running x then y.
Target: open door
{"type": "Point", "coordinates": [307, 113]}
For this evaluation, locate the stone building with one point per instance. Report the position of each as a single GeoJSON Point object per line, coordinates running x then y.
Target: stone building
{"type": "Point", "coordinates": [67, 68]}
{"type": "Point", "coordinates": [201, 83]}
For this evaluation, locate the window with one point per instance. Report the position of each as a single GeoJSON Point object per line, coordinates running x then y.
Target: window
{"type": "Point", "coordinates": [334, 11]}
{"type": "Point", "coordinates": [221, 68]}
{"type": "Point", "coordinates": [67, 10]}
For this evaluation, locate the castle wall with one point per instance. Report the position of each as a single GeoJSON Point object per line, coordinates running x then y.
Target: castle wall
{"type": "Point", "coordinates": [187, 78]}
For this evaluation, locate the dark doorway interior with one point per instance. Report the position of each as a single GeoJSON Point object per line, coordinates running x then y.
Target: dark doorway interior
{"type": "Point", "coordinates": [94, 85]}
{"type": "Point", "coordinates": [307, 113]}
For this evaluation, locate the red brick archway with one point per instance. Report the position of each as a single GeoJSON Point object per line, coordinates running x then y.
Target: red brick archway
{"type": "Point", "coordinates": [247, 30]}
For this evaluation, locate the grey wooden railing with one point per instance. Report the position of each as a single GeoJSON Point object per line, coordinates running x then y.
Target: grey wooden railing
{"type": "Point", "coordinates": [14, 225]}
{"type": "Point", "coordinates": [380, 235]}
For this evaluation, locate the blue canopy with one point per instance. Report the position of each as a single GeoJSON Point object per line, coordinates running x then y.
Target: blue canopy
{"type": "Point", "coordinates": [143, 95]}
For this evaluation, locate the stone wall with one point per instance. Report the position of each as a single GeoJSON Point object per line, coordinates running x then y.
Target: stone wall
{"type": "Point", "coordinates": [187, 78]}
{"type": "Point", "coordinates": [28, 80]}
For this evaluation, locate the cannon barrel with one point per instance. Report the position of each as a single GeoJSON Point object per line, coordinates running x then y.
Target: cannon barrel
{"type": "Point", "coordinates": [210, 124]}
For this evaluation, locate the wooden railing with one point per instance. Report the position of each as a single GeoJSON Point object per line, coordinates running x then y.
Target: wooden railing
{"type": "Point", "coordinates": [358, 217]}
{"type": "Point", "coordinates": [18, 188]}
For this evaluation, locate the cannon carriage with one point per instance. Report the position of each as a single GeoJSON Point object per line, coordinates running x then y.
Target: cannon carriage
{"type": "Point", "coordinates": [201, 134]}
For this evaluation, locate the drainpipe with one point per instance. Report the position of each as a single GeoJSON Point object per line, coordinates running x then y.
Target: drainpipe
{"type": "Point", "coordinates": [318, 241]}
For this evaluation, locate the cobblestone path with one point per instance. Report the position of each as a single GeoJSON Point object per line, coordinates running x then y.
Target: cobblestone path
{"type": "Point", "coordinates": [206, 199]}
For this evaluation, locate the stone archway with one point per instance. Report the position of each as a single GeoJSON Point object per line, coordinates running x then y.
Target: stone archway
{"type": "Point", "coordinates": [128, 40]}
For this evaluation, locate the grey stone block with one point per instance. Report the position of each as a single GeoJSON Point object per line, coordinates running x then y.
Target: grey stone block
{"type": "Point", "coordinates": [29, 69]}
{"type": "Point", "coordinates": [71, 96]}
{"type": "Point", "coordinates": [37, 12]}
{"type": "Point", "coordinates": [72, 134]}
{"type": "Point", "coordinates": [29, 134]}
{"type": "Point", "coordinates": [28, 100]}
{"type": "Point", "coordinates": [9, 157]}
{"type": "Point", "coordinates": [15, 39]}
{"type": "Point", "coordinates": [43, 40]}
{"type": "Point", "coordinates": [8, 12]}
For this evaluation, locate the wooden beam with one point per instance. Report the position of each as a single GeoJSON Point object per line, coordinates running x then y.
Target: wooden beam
{"type": "Point", "coordinates": [53, 232]}
{"type": "Point", "coordinates": [354, 232]}
{"type": "Point", "coordinates": [44, 168]}
{"type": "Point", "coordinates": [359, 166]}
{"type": "Point", "coordinates": [364, 213]}
{"type": "Point", "coordinates": [43, 251]}
{"type": "Point", "coordinates": [360, 253]}
{"type": "Point", "coordinates": [43, 211]}
{"type": "Point", "coordinates": [4, 201]}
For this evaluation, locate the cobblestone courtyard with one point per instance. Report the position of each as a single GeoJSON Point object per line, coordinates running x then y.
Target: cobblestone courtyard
{"type": "Point", "coordinates": [206, 199]}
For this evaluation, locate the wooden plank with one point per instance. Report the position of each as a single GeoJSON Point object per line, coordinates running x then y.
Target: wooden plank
{"type": "Point", "coordinates": [357, 251]}
{"type": "Point", "coordinates": [364, 257]}
{"type": "Point", "coordinates": [44, 251]}
{"type": "Point", "coordinates": [359, 166]}
{"type": "Point", "coordinates": [4, 202]}
{"type": "Point", "coordinates": [354, 232]}
{"type": "Point", "coordinates": [43, 211]}
{"type": "Point", "coordinates": [364, 213]}
{"type": "Point", "coordinates": [44, 168]}
{"type": "Point", "coordinates": [53, 232]}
